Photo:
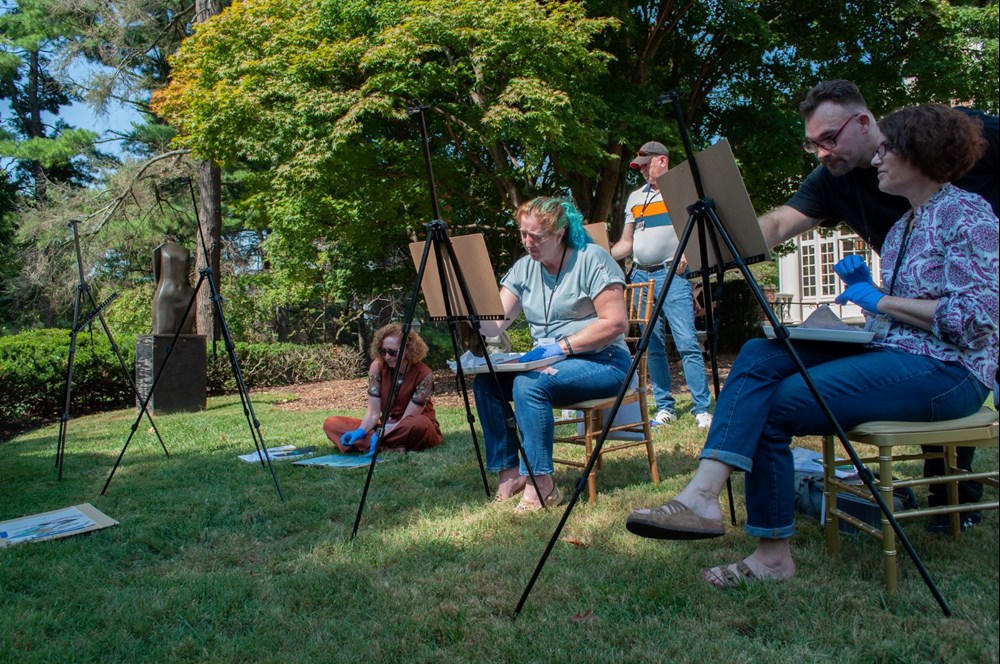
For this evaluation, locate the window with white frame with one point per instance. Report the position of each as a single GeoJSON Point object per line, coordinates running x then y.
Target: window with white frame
{"type": "Point", "coordinates": [807, 266]}
{"type": "Point", "coordinates": [852, 245]}
{"type": "Point", "coordinates": [818, 253]}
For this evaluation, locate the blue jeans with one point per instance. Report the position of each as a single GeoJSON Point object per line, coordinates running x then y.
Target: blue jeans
{"type": "Point", "coordinates": [535, 394]}
{"type": "Point", "coordinates": [678, 312]}
{"type": "Point", "coordinates": [766, 402]}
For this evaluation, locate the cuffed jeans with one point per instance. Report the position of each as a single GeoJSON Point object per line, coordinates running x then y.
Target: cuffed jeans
{"type": "Point", "coordinates": [766, 402]}
{"type": "Point", "coordinates": [678, 312]}
{"type": "Point", "coordinates": [535, 394]}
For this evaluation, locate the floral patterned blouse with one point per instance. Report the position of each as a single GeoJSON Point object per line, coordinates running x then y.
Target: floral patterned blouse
{"type": "Point", "coordinates": [951, 256]}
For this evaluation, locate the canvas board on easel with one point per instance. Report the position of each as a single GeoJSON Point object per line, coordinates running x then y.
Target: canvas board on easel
{"type": "Point", "coordinates": [476, 268]}
{"type": "Point", "coordinates": [598, 232]}
{"type": "Point", "coordinates": [723, 183]}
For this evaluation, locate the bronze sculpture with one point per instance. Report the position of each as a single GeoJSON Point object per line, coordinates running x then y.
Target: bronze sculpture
{"type": "Point", "coordinates": [171, 267]}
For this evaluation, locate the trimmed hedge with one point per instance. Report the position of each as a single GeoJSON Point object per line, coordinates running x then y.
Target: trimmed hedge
{"type": "Point", "coordinates": [33, 370]}
{"type": "Point", "coordinates": [33, 373]}
{"type": "Point", "coordinates": [270, 365]}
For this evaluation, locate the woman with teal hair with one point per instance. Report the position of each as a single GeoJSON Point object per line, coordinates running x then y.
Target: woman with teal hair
{"type": "Point", "coordinates": [572, 294]}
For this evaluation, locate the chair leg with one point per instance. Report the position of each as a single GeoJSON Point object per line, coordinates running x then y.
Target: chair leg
{"type": "Point", "coordinates": [654, 471]}
{"type": "Point", "coordinates": [592, 422]}
{"type": "Point", "coordinates": [951, 468]}
{"type": "Point", "coordinates": [832, 523]}
{"type": "Point", "coordinates": [888, 534]}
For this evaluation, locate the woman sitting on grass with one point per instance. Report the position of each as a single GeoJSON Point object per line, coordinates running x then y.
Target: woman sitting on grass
{"type": "Point", "coordinates": [934, 356]}
{"type": "Point", "coordinates": [412, 423]}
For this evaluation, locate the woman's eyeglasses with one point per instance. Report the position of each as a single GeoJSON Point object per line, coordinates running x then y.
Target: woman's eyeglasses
{"type": "Point", "coordinates": [882, 149]}
{"type": "Point", "coordinates": [536, 238]}
{"type": "Point", "coordinates": [391, 352]}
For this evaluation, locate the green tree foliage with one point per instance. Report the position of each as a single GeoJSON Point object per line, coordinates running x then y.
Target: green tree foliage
{"type": "Point", "coordinates": [313, 99]}
{"type": "Point", "coordinates": [524, 98]}
{"type": "Point", "coordinates": [43, 152]}
{"type": "Point", "coordinates": [307, 106]}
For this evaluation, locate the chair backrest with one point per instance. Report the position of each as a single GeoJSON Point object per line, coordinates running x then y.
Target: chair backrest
{"type": "Point", "coordinates": [639, 302]}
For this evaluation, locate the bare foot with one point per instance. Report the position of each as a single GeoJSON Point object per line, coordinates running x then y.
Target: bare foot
{"type": "Point", "coordinates": [531, 501]}
{"type": "Point", "coordinates": [511, 484]}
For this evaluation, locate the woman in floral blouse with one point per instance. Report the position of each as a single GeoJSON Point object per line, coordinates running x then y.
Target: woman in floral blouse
{"type": "Point", "coordinates": [935, 319]}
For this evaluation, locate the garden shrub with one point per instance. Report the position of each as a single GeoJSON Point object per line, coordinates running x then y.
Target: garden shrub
{"type": "Point", "coordinates": [33, 370]}
{"type": "Point", "coordinates": [33, 373]}
{"type": "Point", "coordinates": [270, 365]}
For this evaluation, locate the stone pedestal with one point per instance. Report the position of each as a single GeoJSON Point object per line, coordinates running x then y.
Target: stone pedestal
{"type": "Point", "coordinates": [183, 385]}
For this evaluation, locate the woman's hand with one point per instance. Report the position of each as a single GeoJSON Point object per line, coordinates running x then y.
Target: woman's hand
{"type": "Point", "coordinates": [863, 294]}
{"type": "Point", "coordinates": [542, 352]}
{"type": "Point", "coordinates": [852, 270]}
{"type": "Point", "coordinates": [350, 437]}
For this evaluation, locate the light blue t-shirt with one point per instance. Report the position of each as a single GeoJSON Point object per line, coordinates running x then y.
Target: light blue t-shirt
{"type": "Point", "coordinates": [556, 306]}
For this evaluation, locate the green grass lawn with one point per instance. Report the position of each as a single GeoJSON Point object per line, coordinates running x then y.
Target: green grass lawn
{"type": "Point", "coordinates": [208, 564]}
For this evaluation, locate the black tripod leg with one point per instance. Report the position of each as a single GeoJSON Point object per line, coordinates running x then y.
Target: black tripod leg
{"type": "Point", "coordinates": [464, 391]}
{"type": "Point", "coordinates": [712, 336]}
{"type": "Point", "coordinates": [68, 388]}
{"type": "Point", "coordinates": [128, 376]}
{"type": "Point", "coordinates": [157, 374]}
{"type": "Point", "coordinates": [387, 406]}
{"type": "Point", "coordinates": [234, 363]}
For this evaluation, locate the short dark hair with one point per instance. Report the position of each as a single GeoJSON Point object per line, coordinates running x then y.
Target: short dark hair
{"type": "Point", "coordinates": [942, 142]}
{"type": "Point", "coordinates": [838, 91]}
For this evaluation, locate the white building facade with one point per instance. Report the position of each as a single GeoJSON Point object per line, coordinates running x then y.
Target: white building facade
{"type": "Point", "coordinates": [806, 278]}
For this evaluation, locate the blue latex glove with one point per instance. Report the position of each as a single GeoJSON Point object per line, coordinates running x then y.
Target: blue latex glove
{"type": "Point", "coordinates": [865, 295]}
{"type": "Point", "coordinates": [371, 450]}
{"type": "Point", "coordinates": [348, 438]}
{"type": "Point", "coordinates": [852, 270]}
{"type": "Point", "coordinates": [542, 352]}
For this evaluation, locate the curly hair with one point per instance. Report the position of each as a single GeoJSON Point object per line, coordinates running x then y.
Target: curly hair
{"type": "Point", "coordinates": [839, 91]}
{"type": "Point", "coordinates": [416, 348]}
{"type": "Point", "coordinates": [942, 142]}
{"type": "Point", "coordinates": [556, 214]}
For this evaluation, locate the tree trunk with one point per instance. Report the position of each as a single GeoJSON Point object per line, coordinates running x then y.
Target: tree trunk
{"type": "Point", "coordinates": [209, 211]}
{"type": "Point", "coordinates": [210, 214]}
{"type": "Point", "coordinates": [35, 128]}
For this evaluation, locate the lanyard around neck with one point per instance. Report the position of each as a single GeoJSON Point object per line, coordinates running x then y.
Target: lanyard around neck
{"type": "Point", "coordinates": [547, 304]}
{"type": "Point", "coordinates": [910, 223]}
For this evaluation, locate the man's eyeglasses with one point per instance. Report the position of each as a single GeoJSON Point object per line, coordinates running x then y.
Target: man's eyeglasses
{"type": "Point", "coordinates": [882, 149]}
{"type": "Point", "coordinates": [827, 144]}
{"type": "Point", "coordinates": [391, 352]}
{"type": "Point", "coordinates": [537, 238]}
{"type": "Point", "coordinates": [643, 153]}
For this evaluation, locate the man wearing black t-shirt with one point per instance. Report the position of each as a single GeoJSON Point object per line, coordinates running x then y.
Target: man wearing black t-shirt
{"type": "Point", "coordinates": [843, 134]}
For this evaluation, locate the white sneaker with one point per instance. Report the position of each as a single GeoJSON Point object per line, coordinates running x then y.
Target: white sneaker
{"type": "Point", "coordinates": [663, 417]}
{"type": "Point", "coordinates": [704, 420]}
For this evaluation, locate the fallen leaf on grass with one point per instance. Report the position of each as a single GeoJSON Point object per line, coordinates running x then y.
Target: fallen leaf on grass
{"type": "Point", "coordinates": [575, 542]}
{"type": "Point", "coordinates": [586, 616]}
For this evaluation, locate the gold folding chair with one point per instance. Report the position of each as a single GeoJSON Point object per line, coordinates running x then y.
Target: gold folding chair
{"type": "Point", "coordinates": [588, 421]}
{"type": "Point", "coordinates": [977, 430]}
